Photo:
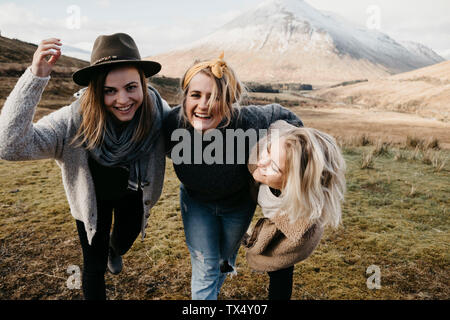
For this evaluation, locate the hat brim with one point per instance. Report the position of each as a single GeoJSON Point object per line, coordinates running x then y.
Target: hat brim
{"type": "Point", "coordinates": [83, 76]}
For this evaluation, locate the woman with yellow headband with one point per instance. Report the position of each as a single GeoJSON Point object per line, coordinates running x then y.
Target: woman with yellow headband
{"type": "Point", "coordinates": [215, 191]}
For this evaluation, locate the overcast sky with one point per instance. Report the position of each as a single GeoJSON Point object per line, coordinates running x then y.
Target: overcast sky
{"type": "Point", "coordinates": [159, 26]}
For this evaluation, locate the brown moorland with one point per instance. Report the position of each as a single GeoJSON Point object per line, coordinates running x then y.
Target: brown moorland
{"type": "Point", "coordinates": [424, 92]}
{"type": "Point", "coordinates": [395, 215]}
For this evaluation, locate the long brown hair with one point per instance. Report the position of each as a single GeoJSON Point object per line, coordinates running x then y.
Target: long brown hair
{"type": "Point", "coordinates": [94, 113]}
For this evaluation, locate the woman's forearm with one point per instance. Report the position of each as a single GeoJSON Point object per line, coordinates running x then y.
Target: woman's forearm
{"type": "Point", "coordinates": [19, 140]}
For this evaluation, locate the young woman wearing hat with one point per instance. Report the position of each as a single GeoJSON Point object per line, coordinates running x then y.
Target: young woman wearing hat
{"type": "Point", "coordinates": [215, 198]}
{"type": "Point", "coordinates": [107, 143]}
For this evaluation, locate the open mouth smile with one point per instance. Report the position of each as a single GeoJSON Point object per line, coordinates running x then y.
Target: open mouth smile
{"type": "Point", "coordinates": [202, 116]}
{"type": "Point", "coordinates": [124, 109]}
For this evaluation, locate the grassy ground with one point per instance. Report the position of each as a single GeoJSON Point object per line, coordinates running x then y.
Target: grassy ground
{"type": "Point", "coordinates": [395, 217]}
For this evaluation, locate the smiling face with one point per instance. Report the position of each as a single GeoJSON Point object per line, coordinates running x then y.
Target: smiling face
{"type": "Point", "coordinates": [271, 166]}
{"type": "Point", "coordinates": [123, 93]}
{"type": "Point", "coordinates": [197, 103]}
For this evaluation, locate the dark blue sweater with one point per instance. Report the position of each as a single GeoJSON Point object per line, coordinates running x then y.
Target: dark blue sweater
{"type": "Point", "coordinates": [226, 183]}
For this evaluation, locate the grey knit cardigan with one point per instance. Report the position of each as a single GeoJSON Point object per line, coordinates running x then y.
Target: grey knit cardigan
{"type": "Point", "coordinates": [50, 137]}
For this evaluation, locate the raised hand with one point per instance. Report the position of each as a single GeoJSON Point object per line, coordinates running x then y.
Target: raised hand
{"type": "Point", "coordinates": [41, 66]}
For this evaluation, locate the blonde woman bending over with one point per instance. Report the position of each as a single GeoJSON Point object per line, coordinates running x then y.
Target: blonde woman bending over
{"type": "Point", "coordinates": [301, 171]}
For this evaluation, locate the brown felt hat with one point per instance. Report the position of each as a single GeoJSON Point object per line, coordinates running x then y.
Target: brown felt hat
{"type": "Point", "coordinates": [118, 48]}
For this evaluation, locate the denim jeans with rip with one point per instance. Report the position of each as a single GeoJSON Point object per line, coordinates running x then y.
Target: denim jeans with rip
{"type": "Point", "coordinates": [213, 235]}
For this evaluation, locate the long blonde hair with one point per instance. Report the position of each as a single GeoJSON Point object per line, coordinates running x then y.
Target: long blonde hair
{"type": "Point", "coordinates": [315, 177]}
{"type": "Point", "coordinates": [93, 113]}
{"type": "Point", "coordinates": [227, 91]}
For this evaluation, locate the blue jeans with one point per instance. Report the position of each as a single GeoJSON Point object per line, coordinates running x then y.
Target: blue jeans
{"type": "Point", "coordinates": [213, 235]}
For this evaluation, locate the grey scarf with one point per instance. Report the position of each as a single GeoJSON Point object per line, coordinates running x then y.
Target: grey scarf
{"type": "Point", "coordinates": [117, 149]}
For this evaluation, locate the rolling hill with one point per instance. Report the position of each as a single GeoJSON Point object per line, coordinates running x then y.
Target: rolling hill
{"type": "Point", "coordinates": [425, 92]}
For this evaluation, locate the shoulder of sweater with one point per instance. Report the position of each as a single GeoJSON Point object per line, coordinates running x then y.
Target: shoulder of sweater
{"type": "Point", "coordinates": [175, 110]}
{"type": "Point", "coordinates": [165, 108]}
{"type": "Point", "coordinates": [72, 110]}
{"type": "Point", "coordinates": [266, 111]}
{"type": "Point", "coordinates": [255, 116]}
{"type": "Point", "coordinates": [66, 116]}
{"type": "Point", "coordinates": [254, 110]}
{"type": "Point", "coordinates": [172, 119]}
{"type": "Point", "coordinates": [173, 114]}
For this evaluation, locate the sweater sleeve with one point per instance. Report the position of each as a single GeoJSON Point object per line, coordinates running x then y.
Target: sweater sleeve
{"type": "Point", "coordinates": [261, 117]}
{"type": "Point", "coordinates": [20, 139]}
{"type": "Point", "coordinates": [281, 113]}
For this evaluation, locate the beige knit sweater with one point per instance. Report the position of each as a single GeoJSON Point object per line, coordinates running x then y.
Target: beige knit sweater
{"type": "Point", "coordinates": [20, 140]}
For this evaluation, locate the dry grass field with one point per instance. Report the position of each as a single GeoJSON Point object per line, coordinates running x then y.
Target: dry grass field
{"type": "Point", "coordinates": [349, 121]}
{"type": "Point", "coordinates": [395, 216]}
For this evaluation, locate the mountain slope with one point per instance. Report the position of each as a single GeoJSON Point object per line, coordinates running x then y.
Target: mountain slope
{"type": "Point", "coordinates": [16, 56]}
{"type": "Point", "coordinates": [290, 41]}
{"type": "Point", "coordinates": [17, 51]}
{"type": "Point", "coordinates": [424, 91]}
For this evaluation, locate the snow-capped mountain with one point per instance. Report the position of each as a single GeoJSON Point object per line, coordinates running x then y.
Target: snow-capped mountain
{"type": "Point", "coordinates": [290, 41]}
{"type": "Point", "coordinates": [422, 52]}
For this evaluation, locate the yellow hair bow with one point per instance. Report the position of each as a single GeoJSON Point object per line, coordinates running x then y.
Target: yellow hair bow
{"type": "Point", "coordinates": [217, 66]}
